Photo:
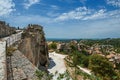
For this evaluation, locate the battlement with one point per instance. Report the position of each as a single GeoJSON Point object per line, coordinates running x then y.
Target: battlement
{"type": "Point", "coordinates": [2, 22]}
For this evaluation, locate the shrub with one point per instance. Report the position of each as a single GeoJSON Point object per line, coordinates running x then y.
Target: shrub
{"type": "Point", "coordinates": [53, 46]}
{"type": "Point", "coordinates": [10, 50]}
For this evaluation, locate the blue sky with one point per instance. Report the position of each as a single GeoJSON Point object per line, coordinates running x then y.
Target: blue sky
{"type": "Point", "coordinates": [65, 18]}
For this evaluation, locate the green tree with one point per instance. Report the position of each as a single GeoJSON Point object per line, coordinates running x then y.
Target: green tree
{"type": "Point", "coordinates": [73, 47]}
{"type": "Point", "coordinates": [101, 67]}
{"type": "Point", "coordinates": [75, 61]}
{"type": "Point", "coordinates": [53, 46]}
{"type": "Point", "coordinates": [83, 60]}
{"type": "Point", "coordinates": [43, 75]}
{"type": "Point", "coordinates": [39, 74]}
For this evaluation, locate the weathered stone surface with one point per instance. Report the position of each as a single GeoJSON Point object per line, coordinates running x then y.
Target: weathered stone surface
{"type": "Point", "coordinates": [34, 47]}
{"type": "Point", "coordinates": [22, 68]}
{"type": "Point", "coordinates": [5, 29]}
{"type": "Point", "coordinates": [3, 73]}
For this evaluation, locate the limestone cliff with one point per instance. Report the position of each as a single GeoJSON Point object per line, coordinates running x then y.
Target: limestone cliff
{"type": "Point", "coordinates": [33, 46]}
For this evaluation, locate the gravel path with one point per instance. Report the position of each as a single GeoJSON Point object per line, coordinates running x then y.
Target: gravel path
{"type": "Point", "coordinates": [85, 70]}
{"type": "Point", "coordinates": [56, 63]}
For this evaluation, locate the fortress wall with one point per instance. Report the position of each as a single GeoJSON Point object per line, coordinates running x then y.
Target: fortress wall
{"type": "Point", "coordinates": [4, 43]}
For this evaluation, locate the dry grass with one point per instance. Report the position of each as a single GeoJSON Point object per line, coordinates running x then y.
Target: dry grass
{"type": "Point", "coordinates": [10, 50]}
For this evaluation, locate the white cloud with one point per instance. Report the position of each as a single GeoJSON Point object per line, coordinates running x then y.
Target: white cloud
{"type": "Point", "coordinates": [83, 13]}
{"type": "Point", "coordinates": [29, 3]}
{"type": "Point", "coordinates": [54, 7]}
{"type": "Point", "coordinates": [6, 7]}
{"type": "Point", "coordinates": [78, 13]}
{"type": "Point", "coordinates": [114, 2]}
{"type": "Point", "coordinates": [97, 15]}
{"type": "Point", "coordinates": [52, 14]}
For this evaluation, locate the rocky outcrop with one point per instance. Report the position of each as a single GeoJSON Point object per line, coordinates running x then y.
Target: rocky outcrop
{"type": "Point", "coordinates": [5, 29]}
{"type": "Point", "coordinates": [33, 46]}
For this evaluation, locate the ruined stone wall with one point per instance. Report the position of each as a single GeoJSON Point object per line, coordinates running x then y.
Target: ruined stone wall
{"type": "Point", "coordinates": [13, 38]}
{"type": "Point", "coordinates": [4, 43]}
{"type": "Point", "coordinates": [3, 71]}
{"type": "Point", "coordinates": [5, 29]}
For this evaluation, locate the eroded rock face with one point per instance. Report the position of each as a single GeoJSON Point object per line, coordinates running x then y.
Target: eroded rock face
{"type": "Point", "coordinates": [33, 46]}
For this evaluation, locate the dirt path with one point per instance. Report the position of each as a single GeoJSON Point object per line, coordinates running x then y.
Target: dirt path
{"type": "Point", "coordinates": [56, 63]}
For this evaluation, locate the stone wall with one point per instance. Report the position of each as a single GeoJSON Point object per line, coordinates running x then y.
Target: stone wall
{"type": "Point", "coordinates": [13, 38]}
{"type": "Point", "coordinates": [6, 30]}
{"type": "Point", "coordinates": [3, 71]}
{"type": "Point", "coordinates": [4, 43]}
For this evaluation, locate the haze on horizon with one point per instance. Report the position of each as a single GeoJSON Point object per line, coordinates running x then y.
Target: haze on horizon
{"type": "Point", "coordinates": [65, 18]}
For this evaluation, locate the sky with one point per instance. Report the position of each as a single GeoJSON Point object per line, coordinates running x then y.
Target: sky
{"type": "Point", "coordinates": [65, 18]}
